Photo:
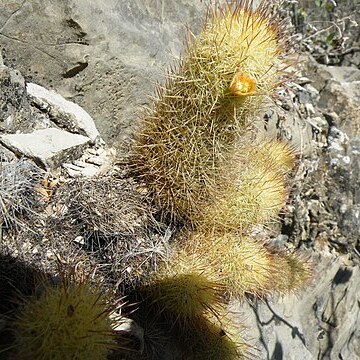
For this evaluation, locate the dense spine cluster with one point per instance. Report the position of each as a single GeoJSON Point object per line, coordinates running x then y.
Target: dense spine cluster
{"type": "Point", "coordinates": [70, 320]}
{"type": "Point", "coordinates": [197, 155]}
{"type": "Point", "coordinates": [205, 106]}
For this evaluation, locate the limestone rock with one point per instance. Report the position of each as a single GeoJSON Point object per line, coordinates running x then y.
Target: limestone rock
{"type": "Point", "coordinates": [66, 113]}
{"type": "Point", "coordinates": [104, 55]}
{"type": "Point", "coordinates": [339, 88]}
{"type": "Point", "coordinates": [48, 147]}
{"type": "Point", "coordinates": [322, 322]}
{"type": "Point", "coordinates": [326, 210]}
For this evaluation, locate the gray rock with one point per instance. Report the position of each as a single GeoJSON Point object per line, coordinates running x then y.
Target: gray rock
{"type": "Point", "coordinates": [84, 169]}
{"type": "Point", "coordinates": [48, 147]}
{"type": "Point", "coordinates": [326, 209]}
{"type": "Point", "coordinates": [320, 74]}
{"type": "Point", "coordinates": [322, 322]}
{"type": "Point", "coordinates": [339, 89]}
{"type": "Point", "coordinates": [104, 55]}
{"type": "Point", "coordinates": [340, 73]}
{"type": "Point", "coordinates": [66, 113]}
{"type": "Point", "coordinates": [128, 328]}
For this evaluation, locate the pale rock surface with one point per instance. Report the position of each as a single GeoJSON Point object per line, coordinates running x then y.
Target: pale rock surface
{"type": "Point", "coordinates": [65, 112]}
{"type": "Point", "coordinates": [48, 147]}
{"type": "Point", "coordinates": [322, 322]}
{"type": "Point", "coordinates": [104, 55]}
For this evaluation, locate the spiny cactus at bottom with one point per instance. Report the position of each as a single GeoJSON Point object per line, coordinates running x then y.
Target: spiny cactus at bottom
{"type": "Point", "coordinates": [195, 299]}
{"type": "Point", "coordinates": [66, 321]}
{"type": "Point", "coordinates": [215, 337]}
{"type": "Point", "coordinates": [184, 289]}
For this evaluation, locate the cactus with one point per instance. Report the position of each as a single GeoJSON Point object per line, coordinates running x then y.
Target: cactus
{"type": "Point", "coordinates": [255, 195]}
{"type": "Point", "coordinates": [194, 155]}
{"type": "Point", "coordinates": [292, 272]}
{"type": "Point", "coordinates": [185, 288]}
{"type": "Point", "coordinates": [206, 103]}
{"type": "Point", "coordinates": [67, 321]}
{"type": "Point", "coordinates": [279, 153]}
{"type": "Point", "coordinates": [243, 265]}
{"type": "Point", "coordinates": [216, 337]}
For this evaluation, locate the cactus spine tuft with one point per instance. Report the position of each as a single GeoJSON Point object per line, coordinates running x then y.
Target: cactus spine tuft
{"type": "Point", "coordinates": [206, 103]}
{"type": "Point", "coordinates": [67, 321]}
{"type": "Point", "coordinates": [186, 289]}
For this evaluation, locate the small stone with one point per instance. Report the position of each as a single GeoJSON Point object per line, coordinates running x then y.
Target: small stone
{"type": "Point", "coordinates": [80, 240]}
{"type": "Point", "coordinates": [92, 151]}
{"type": "Point", "coordinates": [49, 147]}
{"type": "Point", "coordinates": [314, 93]}
{"type": "Point", "coordinates": [79, 163]}
{"type": "Point", "coordinates": [334, 162]}
{"type": "Point", "coordinates": [346, 160]}
{"type": "Point", "coordinates": [72, 167]}
{"type": "Point", "coordinates": [96, 160]}
{"type": "Point", "coordinates": [336, 146]}
{"type": "Point", "coordinates": [319, 123]}
{"type": "Point", "coordinates": [73, 173]}
{"type": "Point", "coordinates": [71, 114]}
{"type": "Point", "coordinates": [128, 327]}
{"type": "Point", "coordinates": [303, 80]}
{"type": "Point", "coordinates": [90, 170]}
{"type": "Point", "coordinates": [310, 109]}
{"type": "Point", "coordinates": [50, 255]}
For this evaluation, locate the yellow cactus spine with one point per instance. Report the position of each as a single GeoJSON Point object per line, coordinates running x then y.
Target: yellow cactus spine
{"type": "Point", "coordinates": [193, 155]}
{"type": "Point", "coordinates": [206, 103]}
{"type": "Point", "coordinates": [279, 153]}
{"type": "Point", "coordinates": [67, 321]}
{"type": "Point", "coordinates": [255, 196]}
{"type": "Point", "coordinates": [256, 190]}
{"type": "Point", "coordinates": [213, 338]}
{"type": "Point", "coordinates": [185, 289]}
{"type": "Point", "coordinates": [242, 264]}
{"type": "Point", "coordinates": [292, 272]}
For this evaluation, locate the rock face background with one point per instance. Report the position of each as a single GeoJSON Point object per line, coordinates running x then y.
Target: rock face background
{"type": "Point", "coordinates": [106, 56]}
{"type": "Point", "coordinates": [322, 219]}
